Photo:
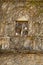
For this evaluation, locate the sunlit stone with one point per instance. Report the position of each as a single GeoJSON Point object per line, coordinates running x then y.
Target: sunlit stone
{"type": "Point", "coordinates": [16, 33]}
{"type": "Point", "coordinates": [25, 28]}
{"type": "Point", "coordinates": [23, 18]}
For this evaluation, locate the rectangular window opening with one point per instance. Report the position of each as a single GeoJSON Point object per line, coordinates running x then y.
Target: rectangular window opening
{"type": "Point", "coordinates": [21, 28]}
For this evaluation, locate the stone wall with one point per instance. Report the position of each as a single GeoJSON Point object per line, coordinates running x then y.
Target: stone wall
{"type": "Point", "coordinates": [21, 31]}
{"type": "Point", "coordinates": [21, 59]}
{"type": "Point", "coordinates": [27, 11]}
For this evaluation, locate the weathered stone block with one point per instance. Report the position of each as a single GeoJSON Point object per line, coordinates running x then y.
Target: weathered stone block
{"type": "Point", "coordinates": [4, 42]}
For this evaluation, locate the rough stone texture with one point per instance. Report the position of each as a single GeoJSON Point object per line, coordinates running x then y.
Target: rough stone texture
{"type": "Point", "coordinates": [21, 59]}
{"type": "Point", "coordinates": [21, 30]}
{"type": "Point", "coordinates": [25, 10]}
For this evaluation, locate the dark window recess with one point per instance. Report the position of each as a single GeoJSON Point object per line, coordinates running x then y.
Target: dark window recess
{"type": "Point", "coordinates": [25, 33]}
{"type": "Point", "coordinates": [18, 28]}
{"type": "Point", "coordinates": [25, 28]}
{"type": "Point", "coordinates": [21, 28]}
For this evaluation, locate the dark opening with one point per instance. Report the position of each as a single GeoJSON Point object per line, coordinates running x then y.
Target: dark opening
{"type": "Point", "coordinates": [21, 27]}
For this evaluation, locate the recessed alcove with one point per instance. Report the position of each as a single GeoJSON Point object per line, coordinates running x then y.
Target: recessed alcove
{"type": "Point", "coordinates": [21, 27]}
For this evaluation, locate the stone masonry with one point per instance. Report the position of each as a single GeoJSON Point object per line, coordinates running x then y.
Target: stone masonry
{"type": "Point", "coordinates": [21, 32]}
